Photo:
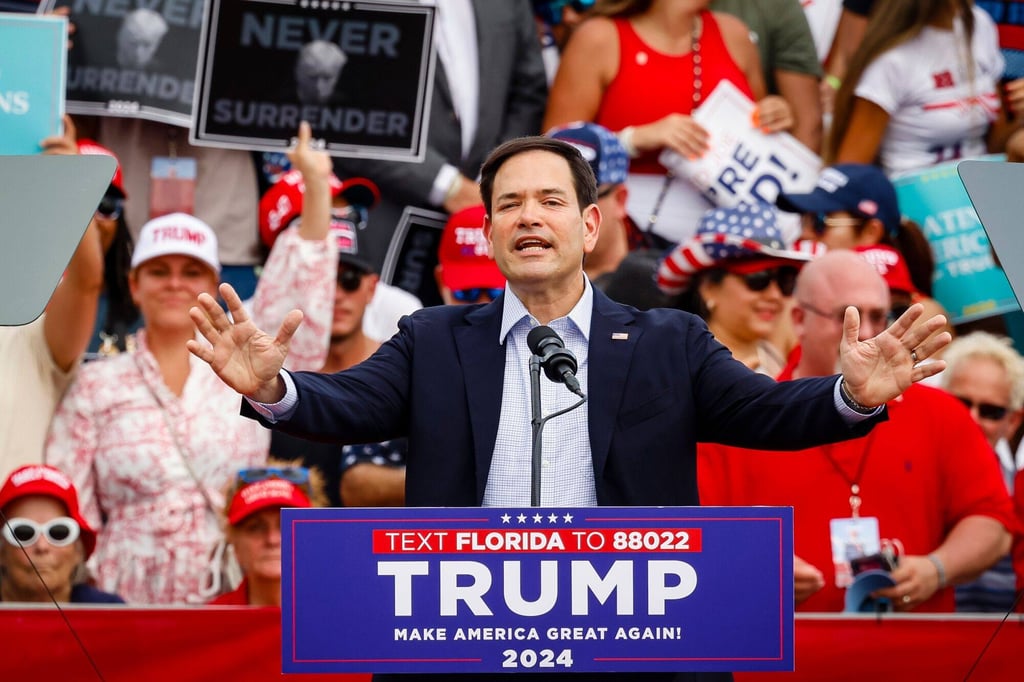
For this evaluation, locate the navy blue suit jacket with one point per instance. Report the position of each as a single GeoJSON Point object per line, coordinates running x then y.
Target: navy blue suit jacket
{"type": "Point", "coordinates": [653, 394]}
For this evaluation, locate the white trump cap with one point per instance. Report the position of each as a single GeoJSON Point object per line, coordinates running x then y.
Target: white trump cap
{"type": "Point", "coordinates": [177, 234]}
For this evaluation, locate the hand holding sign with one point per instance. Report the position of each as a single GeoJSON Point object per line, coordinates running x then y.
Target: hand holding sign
{"type": "Point", "coordinates": [679, 133]}
{"type": "Point", "coordinates": [773, 115]}
{"type": "Point", "coordinates": [62, 144]}
{"type": "Point", "coordinates": [743, 163]}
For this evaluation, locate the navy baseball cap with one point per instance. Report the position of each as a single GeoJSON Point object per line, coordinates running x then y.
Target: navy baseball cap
{"type": "Point", "coordinates": [857, 188]}
{"type": "Point", "coordinates": [599, 146]}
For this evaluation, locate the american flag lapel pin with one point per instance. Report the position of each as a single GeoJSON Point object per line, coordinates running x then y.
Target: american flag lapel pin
{"type": "Point", "coordinates": [619, 336]}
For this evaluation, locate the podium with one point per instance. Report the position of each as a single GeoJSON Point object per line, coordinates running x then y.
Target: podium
{"type": "Point", "coordinates": [556, 590]}
{"type": "Point", "coordinates": [994, 189]}
{"type": "Point", "coordinates": [46, 203]}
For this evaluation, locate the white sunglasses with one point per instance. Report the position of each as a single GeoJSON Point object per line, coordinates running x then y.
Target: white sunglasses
{"type": "Point", "coordinates": [60, 532]}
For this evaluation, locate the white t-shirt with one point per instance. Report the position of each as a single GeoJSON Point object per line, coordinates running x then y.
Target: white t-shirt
{"type": "Point", "coordinates": [823, 18]}
{"type": "Point", "coordinates": [937, 112]}
{"type": "Point", "coordinates": [388, 306]}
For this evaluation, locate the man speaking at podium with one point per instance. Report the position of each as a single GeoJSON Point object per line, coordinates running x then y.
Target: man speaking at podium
{"type": "Point", "coordinates": [455, 379]}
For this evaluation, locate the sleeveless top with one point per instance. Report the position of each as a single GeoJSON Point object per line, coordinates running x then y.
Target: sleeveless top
{"type": "Point", "coordinates": [650, 84]}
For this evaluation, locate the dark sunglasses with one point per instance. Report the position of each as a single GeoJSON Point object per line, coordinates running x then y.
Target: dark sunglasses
{"type": "Point", "coordinates": [784, 276]}
{"type": "Point", "coordinates": [59, 532]}
{"type": "Point", "coordinates": [110, 207]}
{"type": "Point", "coordinates": [350, 279]}
{"type": "Point", "coordinates": [878, 317]}
{"type": "Point", "coordinates": [473, 295]}
{"type": "Point", "coordinates": [822, 222]}
{"type": "Point", "coordinates": [985, 410]}
{"type": "Point", "coordinates": [296, 475]}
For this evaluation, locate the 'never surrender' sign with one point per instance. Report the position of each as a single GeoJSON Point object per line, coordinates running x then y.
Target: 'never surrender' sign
{"type": "Point", "coordinates": [359, 72]}
{"type": "Point", "coordinates": [537, 590]}
{"type": "Point", "coordinates": [132, 58]}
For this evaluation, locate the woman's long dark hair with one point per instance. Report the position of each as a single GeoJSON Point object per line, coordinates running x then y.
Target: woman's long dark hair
{"type": "Point", "coordinates": [892, 23]}
{"type": "Point", "coordinates": [691, 301]}
{"type": "Point", "coordinates": [121, 311]}
{"type": "Point", "coordinates": [917, 253]}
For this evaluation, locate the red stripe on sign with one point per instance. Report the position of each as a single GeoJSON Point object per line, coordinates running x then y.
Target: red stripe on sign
{"type": "Point", "coordinates": [534, 541]}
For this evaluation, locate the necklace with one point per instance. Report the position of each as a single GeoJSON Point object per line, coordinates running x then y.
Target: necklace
{"type": "Point", "coordinates": [695, 33]}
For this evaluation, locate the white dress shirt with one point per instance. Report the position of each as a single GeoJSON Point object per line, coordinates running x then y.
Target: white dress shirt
{"type": "Point", "coordinates": [567, 468]}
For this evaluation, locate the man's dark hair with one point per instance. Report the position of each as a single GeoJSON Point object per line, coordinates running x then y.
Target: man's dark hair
{"type": "Point", "coordinates": [583, 179]}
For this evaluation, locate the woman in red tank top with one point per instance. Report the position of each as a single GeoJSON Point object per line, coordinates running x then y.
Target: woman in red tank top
{"type": "Point", "coordinates": [640, 68]}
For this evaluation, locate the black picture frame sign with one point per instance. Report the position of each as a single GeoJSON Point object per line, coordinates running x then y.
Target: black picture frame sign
{"type": "Point", "coordinates": [132, 58]}
{"type": "Point", "coordinates": [361, 73]}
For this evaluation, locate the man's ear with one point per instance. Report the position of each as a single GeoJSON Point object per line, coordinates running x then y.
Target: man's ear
{"type": "Point", "coordinates": [487, 235]}
{"type": "Point", "coordinates": [591, 227]}
{"type": "Point", "coordinates": [374, 280]}
{"type": "Point", "coordinates": [1014, 420]}
{"type": "Point", "coordinates": [620, 194]}
{"type": "Point", "coordinates": [798, 316]}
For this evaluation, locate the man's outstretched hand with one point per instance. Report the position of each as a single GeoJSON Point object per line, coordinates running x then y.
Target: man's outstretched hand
{"type": "Point", "coordinates": [879, 369]}
{"type": "Point", "coordinates": [244, 357]}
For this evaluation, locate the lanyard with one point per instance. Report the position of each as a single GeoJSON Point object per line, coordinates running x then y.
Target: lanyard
{"type": "Point", "coordinates": [854, 483]}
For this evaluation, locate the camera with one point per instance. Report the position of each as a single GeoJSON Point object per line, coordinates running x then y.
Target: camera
{"type": "Point", "coordinates": [882, 561]}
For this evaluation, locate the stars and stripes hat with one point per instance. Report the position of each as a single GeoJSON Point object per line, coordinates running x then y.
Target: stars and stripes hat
{"type": "Point", "coordinates": [744, 235]}
{"type": "Point", "coordinates": [600, 147]}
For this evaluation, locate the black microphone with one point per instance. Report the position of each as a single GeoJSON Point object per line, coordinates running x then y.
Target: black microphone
{"type": "Point", "coordinates": [558, 361]}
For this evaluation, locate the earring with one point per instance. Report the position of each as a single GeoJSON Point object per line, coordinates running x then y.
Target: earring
{"type": "Point", "coordinates": [710, 305]}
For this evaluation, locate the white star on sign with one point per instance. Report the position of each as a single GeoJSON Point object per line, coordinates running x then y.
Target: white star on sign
{"type": "Point", "coordinates": [553, 518]}
{"type": "Point", "coordinates": [537, 518]}
{"type": "Point", "coordinates": [567, 518]}
{"type": "Point", "coordinates": [521, 518]}
{"type": "Point", "coordinates": [505, 518]}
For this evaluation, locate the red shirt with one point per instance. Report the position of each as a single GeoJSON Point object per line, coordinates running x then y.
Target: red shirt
{"type": "Point", "coordinates": [1018, 538]}
{"type": "Point", "coordinates": [922, 471]}
{"type": "Point", "coordinates": [650, 85]}
{"type": "Point", "coordinates": [237, 597]}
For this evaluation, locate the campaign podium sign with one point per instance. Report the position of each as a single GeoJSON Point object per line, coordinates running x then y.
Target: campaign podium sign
{"type": "Point", "coordinates": [361, 74]}
{"type": "Point", "coordinates": [492, 590]}
{"type": "Point", "coordinates": [32, 68]}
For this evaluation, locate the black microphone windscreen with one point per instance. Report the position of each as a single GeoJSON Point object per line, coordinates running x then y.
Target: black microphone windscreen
{"type": "Point", "coordinates": [538, 335]}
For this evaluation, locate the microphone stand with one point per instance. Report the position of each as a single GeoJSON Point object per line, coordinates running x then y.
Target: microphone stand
{"type": "Point", "coordinates": [537, 423]}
